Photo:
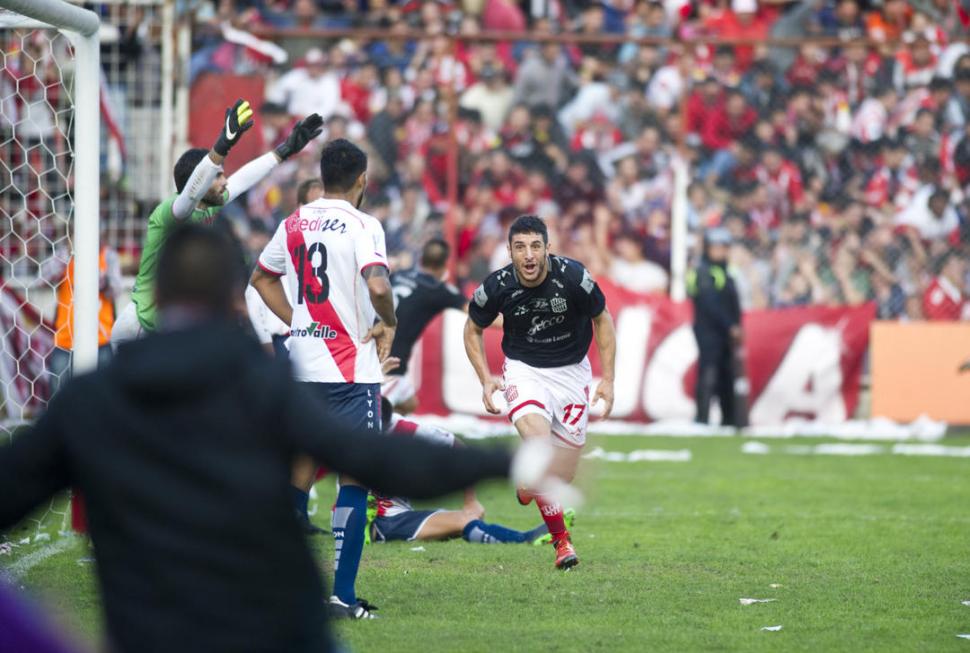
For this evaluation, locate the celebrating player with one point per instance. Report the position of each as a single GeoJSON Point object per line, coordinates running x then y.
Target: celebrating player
{"type": "Point", "coordinates": [333, 257]}
{"type": "Point", "coordinates": [419, 295]}
{"type": "Point", "coordinates": [395, 519]}
{"type": "Point", "coordinates": [550, 306]}
{"type": "Point", "coordinates": [202, 191]}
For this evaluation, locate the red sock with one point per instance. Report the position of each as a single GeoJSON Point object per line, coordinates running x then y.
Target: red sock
{"type": "Point", "coordinates": [551, 512]}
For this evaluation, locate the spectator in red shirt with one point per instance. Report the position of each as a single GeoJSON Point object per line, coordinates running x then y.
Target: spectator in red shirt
{"type": "Point", "coordinates": [722, 130]}
{"type": "Point", "coordinates": [702, 103]}
{"type": "Point", "coordinates": [946, 297]}
{"type": "Point", "coordinates": [741, 22]}
{"type": "Point", "coordinates": [728, 123]}
{"type": "Point", "coordinates": [782, 179]}
{"type": "Point", "coordinates": [896, 181]}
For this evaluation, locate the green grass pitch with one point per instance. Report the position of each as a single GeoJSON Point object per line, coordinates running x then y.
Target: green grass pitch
{"type": "Point", "coordinates": [867, 553]}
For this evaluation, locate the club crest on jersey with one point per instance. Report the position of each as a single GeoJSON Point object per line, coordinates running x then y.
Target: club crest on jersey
{"type": "Point", "coordinates": [557, 304]}
{"type": "Point", "coordinates": [315, 330]}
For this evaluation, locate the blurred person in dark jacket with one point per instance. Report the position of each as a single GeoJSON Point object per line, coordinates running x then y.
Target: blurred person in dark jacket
{"type": "Point", "coordinates": [183, 448]}
{"type": "Point", "coordinates": [717, 327]}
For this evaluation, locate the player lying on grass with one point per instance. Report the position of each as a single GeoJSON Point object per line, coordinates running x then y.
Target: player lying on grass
{"type": "Point", "coordinates": [394, 519]}
{"type": "Point", "coordinates": [550, 306]}
{"type": "Point", "coordinates": [201, 191]}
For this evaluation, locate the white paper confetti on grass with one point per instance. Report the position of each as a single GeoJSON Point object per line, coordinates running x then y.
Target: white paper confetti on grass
{"type": "Point", "coordinates": [771, 629]}
{"type": "Point", "coordinates": [752, 601]}
{"type": "Point", "coordinates": [640, 455]}
{"type": "Point", "coordinates": [964, 636]}
{"type": "Point", "coordinates": [756, 448]}
{"type": "Point", "coordinates": [775, 586]}
{"type": "Point", "coordinates": [417, 548]}
{"type": "Point", "coordinates": [931, 450]}
{"type": "Point", "coordinates": [964, 602]}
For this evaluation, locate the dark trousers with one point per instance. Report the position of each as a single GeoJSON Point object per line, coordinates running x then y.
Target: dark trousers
{"type": "Point", "coordinates": [715, 374]}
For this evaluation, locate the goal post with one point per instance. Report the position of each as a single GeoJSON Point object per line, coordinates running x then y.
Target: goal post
{"type": "Point", "coordinates": [81, 26]}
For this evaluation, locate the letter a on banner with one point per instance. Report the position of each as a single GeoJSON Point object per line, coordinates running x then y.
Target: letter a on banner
{"type": "Point", "coordinates": [808, 382]}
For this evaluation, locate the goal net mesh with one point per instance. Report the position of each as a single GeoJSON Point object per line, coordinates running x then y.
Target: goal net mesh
{"type": "Point", "coordinates": [36, 206]}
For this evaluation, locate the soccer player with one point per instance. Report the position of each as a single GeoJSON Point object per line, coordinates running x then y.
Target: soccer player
{"type": "Point", "coordinates": [274, 335]}
{"type": "Point", "coordinates": [419, 295]}
{"type": "Point", "coordinates": [551, 306]}
{"type": "Point", "coordinates": [201, 191]}
{"type": "Point", "coordinates": [395, 519]}
{"type": "Point", "coordinates": [333, 258]}
{"type": "Point", "coordinates": [270, 330]}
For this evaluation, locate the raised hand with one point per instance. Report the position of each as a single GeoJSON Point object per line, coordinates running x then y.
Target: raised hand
{"type": "Point", "coordinates": [303, 132]}
{"type": "Point", "coordinates": [239, 120]}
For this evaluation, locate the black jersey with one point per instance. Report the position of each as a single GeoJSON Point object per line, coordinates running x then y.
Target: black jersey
{"type": "Point", "coordinates": [546, 326]}
{"type": "Point", "coordinates": [418, 297]}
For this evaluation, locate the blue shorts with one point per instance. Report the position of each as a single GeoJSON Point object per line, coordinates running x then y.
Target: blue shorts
{"type": "Point", "coordinates": [357, 405]}
{"type": "Point", "coordinates": [400, 528]}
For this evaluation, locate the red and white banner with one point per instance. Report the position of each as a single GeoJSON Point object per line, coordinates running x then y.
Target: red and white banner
{"type": "Point", "coordinates": [801, 362]}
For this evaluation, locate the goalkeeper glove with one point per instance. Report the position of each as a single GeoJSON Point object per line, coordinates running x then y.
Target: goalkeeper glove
{"type": "Point", "coordinates": [303, 132]}
{"type": "Point", "coordinates": [239, 118]}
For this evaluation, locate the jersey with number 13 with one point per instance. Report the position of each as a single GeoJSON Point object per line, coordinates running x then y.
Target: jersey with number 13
{"type": "Point", "coordinates": [322, 249]}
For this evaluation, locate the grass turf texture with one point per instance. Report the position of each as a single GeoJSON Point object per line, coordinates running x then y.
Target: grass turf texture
{"type": "Point", "coordinates": [870, 554]}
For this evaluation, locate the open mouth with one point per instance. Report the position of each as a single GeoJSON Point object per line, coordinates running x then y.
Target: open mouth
{"type": "Point", "coordinates": [530, 268]}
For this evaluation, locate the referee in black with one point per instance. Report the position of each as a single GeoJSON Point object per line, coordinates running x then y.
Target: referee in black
{"type": "Point", "coordinates": [183, 448]}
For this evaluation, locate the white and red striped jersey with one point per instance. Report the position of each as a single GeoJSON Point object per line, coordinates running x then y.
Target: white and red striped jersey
{"type": "Point", "coordinates": [893, 186]}
{"type": "Point", "coordinates": [391, 506]}
{"type": "Point", "coordinates": [322, 249]}
{"type": "Point", "coordinates": [870, 122]}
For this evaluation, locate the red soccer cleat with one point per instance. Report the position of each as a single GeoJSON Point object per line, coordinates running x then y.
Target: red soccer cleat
{"type": "Point", "coordinates": [565, 553]}
{"type": "Point", "coordinates": [523, 496]}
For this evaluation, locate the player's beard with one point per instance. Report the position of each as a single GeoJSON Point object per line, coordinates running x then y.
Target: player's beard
{"type": "Point", "coordinates": [214, 198]}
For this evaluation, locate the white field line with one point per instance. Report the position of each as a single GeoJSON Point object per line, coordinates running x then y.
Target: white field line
{"type": "Point", "coordinates": [19, 569]}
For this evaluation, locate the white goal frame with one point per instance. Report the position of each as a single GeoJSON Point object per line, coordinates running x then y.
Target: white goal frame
{"type": "Point", "coordinates": [81, 27]}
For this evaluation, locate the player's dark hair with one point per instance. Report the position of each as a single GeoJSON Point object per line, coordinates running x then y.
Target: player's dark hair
{"type": "Point", "coordinates": [303, 190]}
{"type": "Point", "coordinates": [341, 163]}
{"type": "Point", "coordinates": [435, 253]}
{"type": "Point", "coordinates": [186, 164]}
{"type": "Point", "coordinates": [200, 267]}
{"type": "Point", "coordinates": [386, 410]}
{"type": "Point", "coordinates": [529, 224]}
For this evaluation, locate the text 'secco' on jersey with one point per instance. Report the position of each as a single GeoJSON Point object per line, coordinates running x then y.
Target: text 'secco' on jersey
{"type": "Point", "coordinates": [322, 250]}
{"type": "Point", "coordinates": [546, 326]}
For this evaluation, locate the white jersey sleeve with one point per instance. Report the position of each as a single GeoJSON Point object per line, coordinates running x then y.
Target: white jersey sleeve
{"type": "Point", "coordinates": [256, 309]}
{"type": "Point", "coordinates": [369, 247]}
{"type": "Point", "coordinates": [273, 257]}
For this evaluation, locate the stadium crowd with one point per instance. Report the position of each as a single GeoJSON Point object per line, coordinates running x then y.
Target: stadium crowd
{"type": "Point", "coordinates": [840, 168]}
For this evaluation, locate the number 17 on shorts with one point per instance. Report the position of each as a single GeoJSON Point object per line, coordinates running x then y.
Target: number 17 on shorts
{"type": "Point", "coordinates": [559, 394]}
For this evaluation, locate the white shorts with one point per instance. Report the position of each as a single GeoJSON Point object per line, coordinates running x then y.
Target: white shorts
{"type": "Point", "coordinates": [397, 389]}
{"type": "Point", "coordinates": [126, 327]}
{"type": "Point", "coordinates": [560, 394]}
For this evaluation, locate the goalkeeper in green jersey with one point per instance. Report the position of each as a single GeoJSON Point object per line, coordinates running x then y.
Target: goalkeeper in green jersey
{"type": "Point", "coordinates": [202, 190]}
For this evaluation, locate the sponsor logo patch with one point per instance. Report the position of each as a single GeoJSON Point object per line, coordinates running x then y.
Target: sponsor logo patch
{"type": "Point", "coordinates": [558, 304]}
{"type": "Point", "coordinates": [315, 330]}
{"type": "Point", "coordinates": [534, 305]}
{"type": "Point", "coordinates": [480, 296]}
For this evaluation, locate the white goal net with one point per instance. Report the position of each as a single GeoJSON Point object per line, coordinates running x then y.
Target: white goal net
{"type": "Point", "coordinates": [48, 117]}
